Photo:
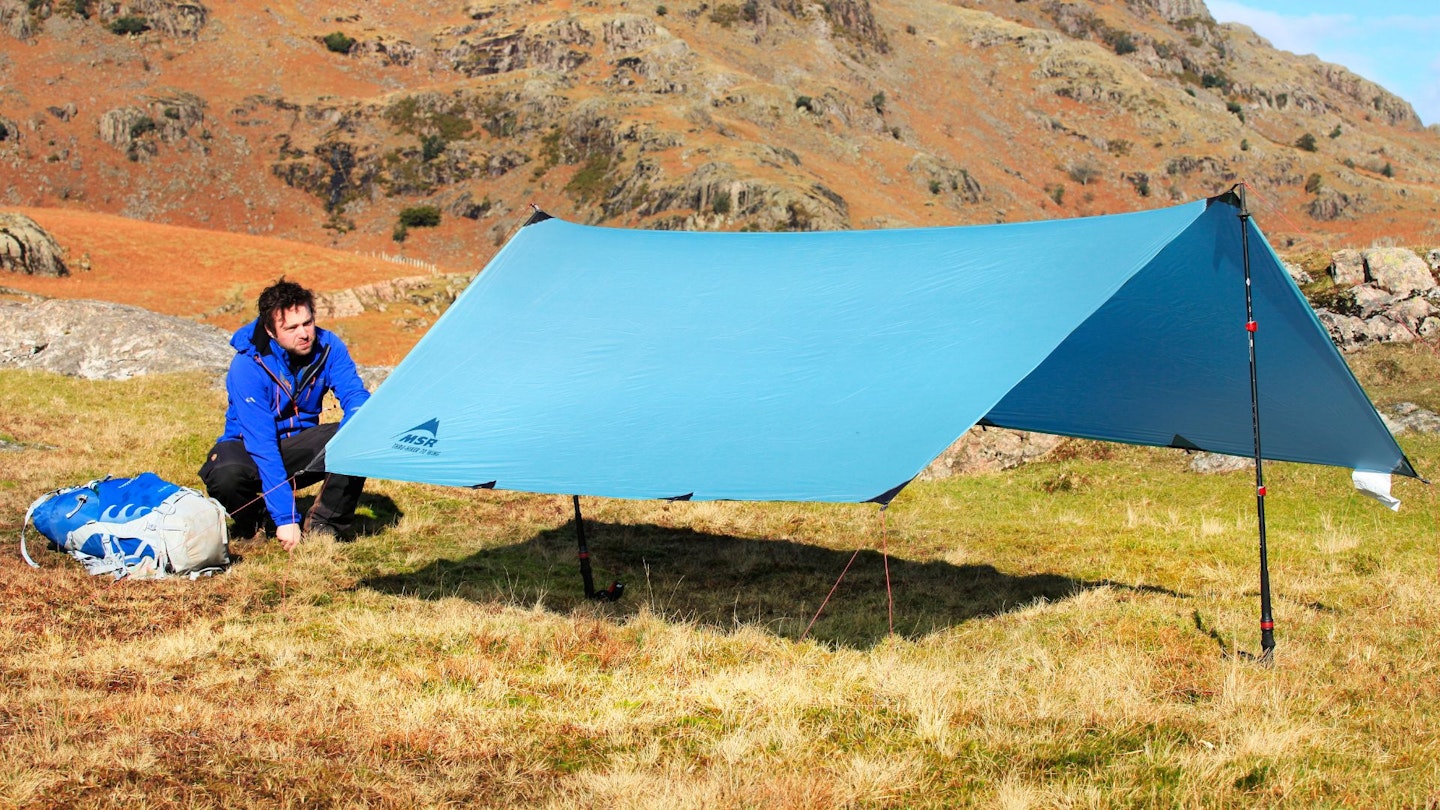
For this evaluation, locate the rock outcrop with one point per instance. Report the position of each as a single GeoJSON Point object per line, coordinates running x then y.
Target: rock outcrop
{"type": "Point", "coordinates": [27, 248]}
{"type": "Point", "coordinates": [989, 450]}
{"type": "Point", "coordinates": [99, 340]}
{"type": "Point", "coordinates": [1385, 295]}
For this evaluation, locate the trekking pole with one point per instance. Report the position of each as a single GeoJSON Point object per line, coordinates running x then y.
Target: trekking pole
{"type": "Point", "coordinates": [585, 573]}
{"type": "Point", "coordinates": [617, 588]}
{"type": "Point", "coordinates": [1267, 620]}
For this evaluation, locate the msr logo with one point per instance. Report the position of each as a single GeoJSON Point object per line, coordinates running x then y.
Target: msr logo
{"type": "Point", "coordinates": [420, 439]}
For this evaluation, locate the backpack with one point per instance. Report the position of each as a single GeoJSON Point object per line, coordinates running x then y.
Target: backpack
{"type": "Point", "coordinates": [143, 527]}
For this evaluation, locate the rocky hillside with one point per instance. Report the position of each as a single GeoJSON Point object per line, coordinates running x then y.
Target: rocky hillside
{"type": "Point", "coordinates": [435, 122]}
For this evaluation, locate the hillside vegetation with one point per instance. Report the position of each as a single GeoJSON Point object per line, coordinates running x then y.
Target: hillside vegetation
{"type": "Point", "coordinates": [327, 125]}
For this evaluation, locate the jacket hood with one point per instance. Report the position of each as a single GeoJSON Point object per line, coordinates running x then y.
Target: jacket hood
{"type": "Point", "coordinates": [251, 339]}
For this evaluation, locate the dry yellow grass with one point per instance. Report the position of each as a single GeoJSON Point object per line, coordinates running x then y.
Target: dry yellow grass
{"type": "Point", "coordinates": [1055, 648]}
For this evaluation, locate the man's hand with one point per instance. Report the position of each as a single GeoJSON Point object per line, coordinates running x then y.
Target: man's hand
{"type": "Point", "coordinates": [289, 535]}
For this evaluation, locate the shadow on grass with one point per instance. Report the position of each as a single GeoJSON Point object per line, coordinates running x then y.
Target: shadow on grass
{"type": "Point", "coordinates": [373, 515]}
{"type": "Point", "coordinates": [728, 582]}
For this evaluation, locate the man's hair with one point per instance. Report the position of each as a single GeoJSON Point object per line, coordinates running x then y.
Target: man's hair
{"type": "Point", "coordinates": [280, 296]}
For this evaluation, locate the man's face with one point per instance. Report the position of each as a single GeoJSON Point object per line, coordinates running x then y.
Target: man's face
{"type": "Point", "coordinates": [294, 330]}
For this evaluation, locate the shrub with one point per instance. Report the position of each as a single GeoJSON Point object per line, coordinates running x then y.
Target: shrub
{"type": "Point", "coordinates": [589, 181]}
{"type": "Point", "coordinates": [129, 24]}
{"type": "Point", "coordinates": [804, 103]}
{"type": "Point", "coordinates": [1388, 170]}
{"type": "Point", "coordinates": [420, 216]}
{"type": "Point", "coordinates": [1057, 193]}
{"type": "Point", "coordinates": [431, 147]}
{"type": "Point", "coordinates": [878, 102]}
{"type": "Point", "coordinates": [1306, 142]}
{"type": "Point", "coordinates": [726, 15]}
{"type": "Point", "coordinates": [934, 186]}
{"type": "Point", "coordinates": [1244, 145]}
{"type": "Point", "coordinates": [722, 203]}
{"type": "Point", "coordinates": [661, 11]}
{"type": "Point", "coordinates": [1313, 184]}
{"type": "Point", "coordinates": [142, 126]}
{"type": "Point", "coordinates": [1084, 173]}
{"type": "Point", "coordinates": [4, 132]}
{"type": "Point", "coordinates": [1122, 44]}
{"type": "Point", "coordinates": [337, 42]}
{"type": "Point", "coordinates": [1335, 133]}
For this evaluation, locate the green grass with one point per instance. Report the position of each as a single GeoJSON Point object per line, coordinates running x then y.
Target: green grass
{"type": "Point", "coordinates": [1068, 633]}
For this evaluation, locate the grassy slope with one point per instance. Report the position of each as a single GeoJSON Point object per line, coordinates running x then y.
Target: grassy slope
{"type": "Point", "coordinates": [1062, 638]}
{"type": "Point", "coordinates": [213, 276]}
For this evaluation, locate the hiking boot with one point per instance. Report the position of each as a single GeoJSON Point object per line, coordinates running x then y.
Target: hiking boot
{"type": "Point", "coordinates": [317, 530]}
{"type": "Point", "coordinates": [246, 529]}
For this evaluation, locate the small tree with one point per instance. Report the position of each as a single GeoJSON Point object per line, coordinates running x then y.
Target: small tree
{"type": "Point", "coordinates": [1306, 142]}
{"type": "Point", "coordinates": [878, 102]}
{"type": "Point", "coordinates": [1388, 171]}
{"type": "Point", "coordinates": [337, 42]}
{"type": "Point", "coordinates": [721, 204]}
{"type": "Point", "coordinates": [431, 147]}
{"type": "Point", "coordinates": [420, 216]}
{"type": "Point", "coordinates": [129, 24]}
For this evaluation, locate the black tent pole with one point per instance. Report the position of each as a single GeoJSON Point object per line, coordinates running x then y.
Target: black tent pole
{"type": "Point", "coordinates": [1267, 620]}
{"type": "Point", "coordinates": [585, 573]}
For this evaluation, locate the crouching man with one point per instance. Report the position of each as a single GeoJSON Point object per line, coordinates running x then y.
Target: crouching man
{"type": "Point", "coordinates": [277, 381]}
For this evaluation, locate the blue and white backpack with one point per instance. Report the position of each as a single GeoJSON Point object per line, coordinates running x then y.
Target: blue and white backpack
{"type": "Point", "coordinates": [142, 528]}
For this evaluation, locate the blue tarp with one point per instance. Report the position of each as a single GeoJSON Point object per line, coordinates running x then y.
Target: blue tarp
{"type": "Point", "coordinates": [835, 366]}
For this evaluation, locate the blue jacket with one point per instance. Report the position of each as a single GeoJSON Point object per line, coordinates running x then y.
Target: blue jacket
{"type": "Point", "coordinates": [271, 400]}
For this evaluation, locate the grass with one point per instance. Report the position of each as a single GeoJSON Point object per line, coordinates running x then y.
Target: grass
{"type": "Point", "coordinates": [1066, 634]}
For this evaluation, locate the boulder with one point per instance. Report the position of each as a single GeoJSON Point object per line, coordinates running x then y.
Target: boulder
{"type": "Point", "coordinates": [1350, 333]}
{"type": "Point", "coordinates": [1397, 270]}
{"type": "Point", "coordinates": [1403, 417]}
{"type": "Point", "coordinates": [1347, 268]}
{"type": "Point", "coordinates": [989, 450]}
{"type": "Point", "coordinates": [1370, 300]}
{"type": "Point", "coordinates": [1207, 463]}
{"type": "Point", "coordinates": [27, 248]}
{"type": "Point", "coordinates": [99, 340]}
{"type": "Point", "coordinates": [1297, 273]}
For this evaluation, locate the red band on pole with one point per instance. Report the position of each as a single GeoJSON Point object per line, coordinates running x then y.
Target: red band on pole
{"type": "Point", "coordinates": [1260, 491]}
{"type": "Point", "coordinates": [584, 555]}
{"type": "Point", "coordinates": [1267, 625]}
{"type": "Point", "coordinates": [1251, 326]}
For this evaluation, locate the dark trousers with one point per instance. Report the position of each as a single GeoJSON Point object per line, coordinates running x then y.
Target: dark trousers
{"type": "Point", "coordinates": [231, 477]}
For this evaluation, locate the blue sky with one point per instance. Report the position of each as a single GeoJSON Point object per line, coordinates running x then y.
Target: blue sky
{"type": "Point", "coordinates": [1395, 43]}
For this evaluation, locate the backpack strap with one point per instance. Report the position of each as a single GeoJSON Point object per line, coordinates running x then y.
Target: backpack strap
{"type": "Point", "coordinates": [24, 552]}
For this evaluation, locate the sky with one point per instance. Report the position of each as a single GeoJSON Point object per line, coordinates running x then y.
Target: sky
{"type": "Point", "coordinates": [1394, 43]}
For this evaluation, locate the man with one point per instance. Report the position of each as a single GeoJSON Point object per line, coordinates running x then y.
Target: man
{"type": "Point", "coordinates": [277, 382]}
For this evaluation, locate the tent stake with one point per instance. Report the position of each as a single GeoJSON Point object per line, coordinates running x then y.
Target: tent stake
{"type": "Point", "coordinates": [1267, 620]}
